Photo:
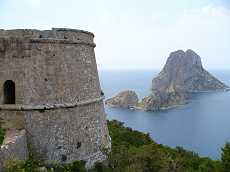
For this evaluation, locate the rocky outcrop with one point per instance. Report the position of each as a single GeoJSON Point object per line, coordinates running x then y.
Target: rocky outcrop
{"type": "Point", "coordinates": [163, 100]}
{"type": "Point", "coordinates": [183, 74]}
{"type": "Point", "coordinates": [125, 99]}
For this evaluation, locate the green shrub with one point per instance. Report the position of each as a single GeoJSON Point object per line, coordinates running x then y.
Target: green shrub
{"type": "Point", "coordinates": [225, 157]}
{"type": "Point", "coordinates": [137, 152]}
{"type": "Point", "coordinates": [133, 151]}
{"type": "Point", "coordinates": [13, 165]}
{"type": "Point", "coordinates": [2, 135]}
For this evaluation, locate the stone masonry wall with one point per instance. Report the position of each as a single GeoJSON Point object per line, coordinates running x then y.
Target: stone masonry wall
{"type": "Point", "coordinates": [66, 135]}
{"type": "Point", "coordinates": [14, 147]}
{"type": "Point", "coordinates": [53, 67]}
{"type": "Point", "coordinates": [50, 69]}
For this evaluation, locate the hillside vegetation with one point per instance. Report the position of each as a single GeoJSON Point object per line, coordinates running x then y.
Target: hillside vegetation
{"type": "Point", "coordinates": [133, 151]}
{"type": "Point", "coordinates": [2, 133]}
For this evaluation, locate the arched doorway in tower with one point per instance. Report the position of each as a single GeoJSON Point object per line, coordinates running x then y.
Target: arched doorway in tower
{"type": "Point", "coordinates": [9, 92]}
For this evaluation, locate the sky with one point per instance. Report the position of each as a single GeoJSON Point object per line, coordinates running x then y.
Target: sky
{"type": "Point", "coordinates": [133, 34]}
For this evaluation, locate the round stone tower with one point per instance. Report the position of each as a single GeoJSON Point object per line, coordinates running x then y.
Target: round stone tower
{"type": "Point", "coordinates": [50, 86]}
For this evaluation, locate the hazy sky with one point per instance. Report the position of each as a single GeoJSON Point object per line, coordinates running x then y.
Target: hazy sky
{"type": "Point", "coordinates": [134, 33]}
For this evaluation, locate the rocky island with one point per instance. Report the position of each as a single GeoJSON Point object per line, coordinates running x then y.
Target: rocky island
{"type": "Point", "coordinates": [125, 99]}
{"type": "Point", "coordinates": [184, 72]}
{"type": "Point", "coordinates": [182, 75]}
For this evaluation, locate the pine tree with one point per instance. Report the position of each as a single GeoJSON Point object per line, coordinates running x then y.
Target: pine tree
{"type": "Point", "coordinates": [225, 157]}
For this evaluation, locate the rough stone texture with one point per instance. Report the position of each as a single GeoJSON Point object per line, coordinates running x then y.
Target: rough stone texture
{"type": "Point", "coordinates": [163, 100]}
{"type": "Point", "coordinates": [182, 74]}
{"type": "Point", "coordinates": [124, 99]}
{"type": "Point", "coordinates": [13, 147]}
{"type": "Point", "coordinates": [55, 68]}
{"type": "Point", "coordinates": [76, 133]}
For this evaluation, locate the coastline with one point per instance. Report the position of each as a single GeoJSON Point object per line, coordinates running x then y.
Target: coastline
{"type": "Point", "coordinates": [142, 109]}
{"type": "Point", "coordinates": [211, 91]}
{"type": "Point", "coordinates": [139, 107]}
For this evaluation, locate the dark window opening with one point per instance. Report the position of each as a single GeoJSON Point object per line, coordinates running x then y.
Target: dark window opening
{"type": "Point", "coordinates": [78, 145]}
{"type": "Point", "coordinates": [9, 92]}
{"type": "Point", "coordinates": [63, 158]}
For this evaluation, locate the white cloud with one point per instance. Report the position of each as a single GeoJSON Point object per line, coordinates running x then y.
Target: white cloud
{"type": "Point", "coordinates": [211, 10]}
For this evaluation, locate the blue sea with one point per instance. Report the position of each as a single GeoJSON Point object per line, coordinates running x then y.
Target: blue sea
{"type": "Point", "coordinates": [202, 126]}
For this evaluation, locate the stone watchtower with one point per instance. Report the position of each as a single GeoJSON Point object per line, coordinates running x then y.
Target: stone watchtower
{"type": "Point", "coordinates": [49, 86]}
